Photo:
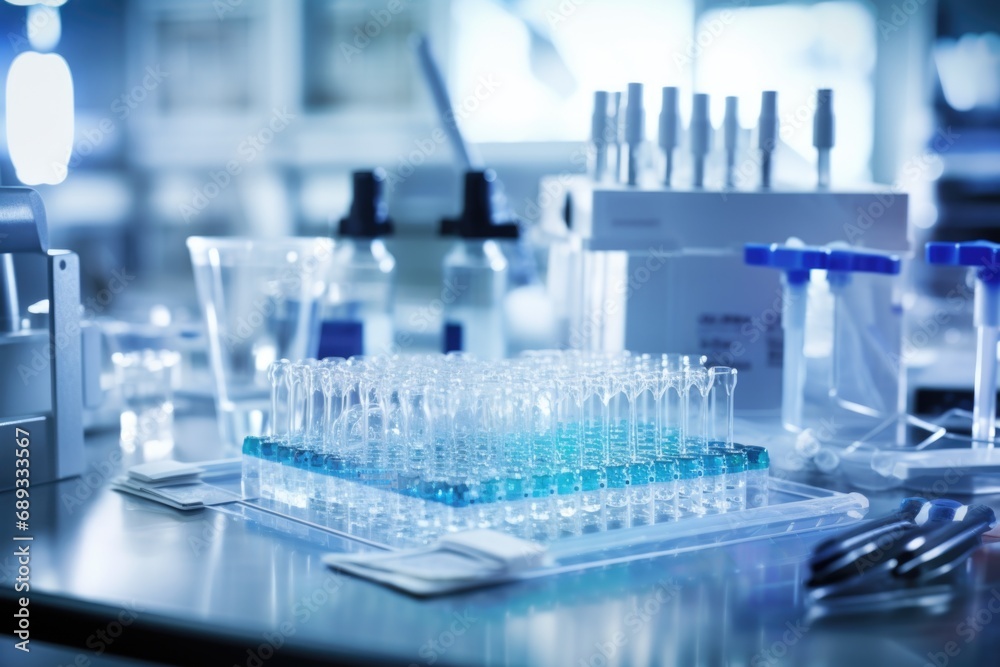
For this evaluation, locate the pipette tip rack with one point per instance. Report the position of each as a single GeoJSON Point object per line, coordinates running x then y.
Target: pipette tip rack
{"type": "Point", "coordinates": [545, 446]}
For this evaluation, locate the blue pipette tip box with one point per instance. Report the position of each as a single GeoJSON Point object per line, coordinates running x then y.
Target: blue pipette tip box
{"type": "Point", "coordinates": [942, 253]}
{"type": "Point", "coordinates": [785, 257]}
{"type": "Point", "coordinates": [969, 253]}
{"type": "Point", "coordinates": [864, 261]}
{"type": "Point", "coordinates": [985, 255]}
{"type": "Point", "coordinates": [805, 258]}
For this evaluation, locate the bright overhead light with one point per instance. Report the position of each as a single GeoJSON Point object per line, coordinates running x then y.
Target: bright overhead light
{"type": "Point", "coordinates": [44, 27]}
{"type": "Point", "coordinates": [47, 3]}
{"type": "Point", "coordinates": [40, 117]}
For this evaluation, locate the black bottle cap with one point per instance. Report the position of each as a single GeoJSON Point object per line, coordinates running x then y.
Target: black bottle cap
{"type": "Point", "coordinates": [482, 217]}
{"type": "Point", "coordinates": [369, 214]}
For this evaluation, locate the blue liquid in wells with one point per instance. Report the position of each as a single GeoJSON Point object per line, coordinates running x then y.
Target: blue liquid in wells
{"type": "Point", "coordinates": [567, 483]}
{"type": "Point", "coordinates": [594, 479]}
{"type": "Point", "coordinates": [676, 461]}
{"type": "Point", "coordinates": [543, 485]}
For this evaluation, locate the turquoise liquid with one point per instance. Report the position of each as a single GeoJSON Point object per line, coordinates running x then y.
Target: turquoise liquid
{"type": "Point", "coordinates": [572, 462]}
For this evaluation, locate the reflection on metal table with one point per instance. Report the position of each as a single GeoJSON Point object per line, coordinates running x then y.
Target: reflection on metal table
{"type": "Point", "coordinates": [113, 575]}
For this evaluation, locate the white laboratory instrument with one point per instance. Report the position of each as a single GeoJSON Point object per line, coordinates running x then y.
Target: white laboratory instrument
{"type": "Point", "coordinates": [662, 268]}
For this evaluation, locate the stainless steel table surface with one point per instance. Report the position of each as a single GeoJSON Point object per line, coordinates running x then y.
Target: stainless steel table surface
{"type": "Point", "coordinates": [113, 575]}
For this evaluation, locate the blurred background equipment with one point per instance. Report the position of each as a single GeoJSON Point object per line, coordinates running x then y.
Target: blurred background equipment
{"type": "Point", "coordinates": [425, 268]}
{"type": "Point", "coordinates": [252, 118]}
{"type": "Point", "coordinates": [42, 397]}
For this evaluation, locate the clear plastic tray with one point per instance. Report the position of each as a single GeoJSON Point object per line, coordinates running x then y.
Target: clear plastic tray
{"type": "Point", "coordinates": [925, 455]}
{"type": "Point", "coordinates": [792, 508]}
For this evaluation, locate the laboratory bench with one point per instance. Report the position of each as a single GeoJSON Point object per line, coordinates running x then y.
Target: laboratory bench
{"type": "Point", "coordinates": [119, 580]}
